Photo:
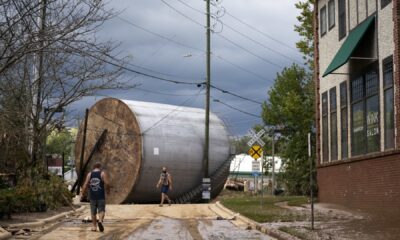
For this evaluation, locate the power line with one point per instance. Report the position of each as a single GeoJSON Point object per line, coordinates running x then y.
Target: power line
{"type": "Point", "coordinates": [237, 109]}
{"type": "Point", "coordinates": [195, 9]}
{"type": "Point", "coordinates": [250, 52]}
{"type": "Point", "coordinates": [242, 68]}
{"type": "Point", "coordinates": [261, 32]}
{"type": "Point", "coordinates": [159, 35]}
{"type": "Point", "coordinates": [244, 35]}
{"type": "Point", "coordinates": [163, 93]}
{"type": "Point", "coordinates": [198, 84]}
{"type": "Point", "coordinates": [184, 15]}
{"type": "Point", "coordinates": [187, 46]}
{"type": "Point", "coordinates": [235, 95]}
{"type": "Point", "coordinates": [261, 44]}
{"type": "Point", "coordinates": [232, 42]}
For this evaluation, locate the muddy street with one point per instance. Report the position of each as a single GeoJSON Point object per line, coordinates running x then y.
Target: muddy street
{"type": "Point", "coordinates": [189, 221]}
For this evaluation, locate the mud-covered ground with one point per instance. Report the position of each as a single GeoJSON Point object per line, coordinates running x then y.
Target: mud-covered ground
{"type": "Point", "coordinates": [337, 223]}
{"type": "Point", "coordinates": [188, 221]}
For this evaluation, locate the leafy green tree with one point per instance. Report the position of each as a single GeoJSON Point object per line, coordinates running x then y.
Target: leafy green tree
{"type": "Point", "coordinates": [305, 30]}
{"type": "Point", "coordinates": [290, 106]}
{"type": "Point", "coordinates": [61, 142]}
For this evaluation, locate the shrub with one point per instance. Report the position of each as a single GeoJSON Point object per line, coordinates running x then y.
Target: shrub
{"type": "Point", "coordinates": [35, 194]}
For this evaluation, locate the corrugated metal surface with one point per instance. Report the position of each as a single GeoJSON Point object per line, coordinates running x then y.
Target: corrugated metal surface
{"type": "Point", "coordinates": [170, 136]}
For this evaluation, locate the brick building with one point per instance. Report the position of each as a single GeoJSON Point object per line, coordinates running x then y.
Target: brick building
{"type": "Point", "coordinates": [358, 103]}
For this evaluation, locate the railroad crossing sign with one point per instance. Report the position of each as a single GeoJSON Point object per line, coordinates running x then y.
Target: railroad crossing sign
{"type": "Point", "coordinates": [256, 152]}
{"type": "Point", "coordinates": [256, 137]}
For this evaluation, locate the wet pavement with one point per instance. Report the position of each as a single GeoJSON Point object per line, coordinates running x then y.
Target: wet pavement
{"type": "Point", "coordinates": [188, 221]}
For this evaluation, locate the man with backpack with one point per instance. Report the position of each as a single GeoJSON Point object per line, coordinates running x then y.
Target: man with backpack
{"type": "Point", "coordinates": [98, 184]}
{"type": "Point", "coordinates": [165, 182]}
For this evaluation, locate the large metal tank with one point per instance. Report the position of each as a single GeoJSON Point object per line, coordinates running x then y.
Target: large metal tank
{"type": "Point", "coordinates": [142, 137]}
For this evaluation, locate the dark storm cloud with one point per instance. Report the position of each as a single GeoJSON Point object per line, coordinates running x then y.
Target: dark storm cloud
{"type": "Point", "coordinates": [276, 18]}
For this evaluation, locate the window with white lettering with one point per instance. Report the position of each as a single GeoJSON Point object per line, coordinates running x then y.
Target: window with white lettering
{"type": "Point", "coordinates": [365, 132]}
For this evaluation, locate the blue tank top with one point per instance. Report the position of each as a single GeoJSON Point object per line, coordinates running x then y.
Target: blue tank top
{"type": "Point", "coordinates": [96, 186]}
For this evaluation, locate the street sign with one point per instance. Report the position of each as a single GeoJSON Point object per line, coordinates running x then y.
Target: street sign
{"type": "Point", "coordinates": [256, 137]}
{"type": "Point", "coordinates": [256, 152]}
{"type": "Point", "coordinates": [255, 167]}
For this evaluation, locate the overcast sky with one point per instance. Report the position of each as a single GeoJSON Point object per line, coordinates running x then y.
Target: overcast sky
{"type": "Point", "coordinates": [243, 66]}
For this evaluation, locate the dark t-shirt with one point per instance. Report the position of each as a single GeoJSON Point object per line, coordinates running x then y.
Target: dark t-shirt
{"type": "Point", "coordinates": [96, 186]}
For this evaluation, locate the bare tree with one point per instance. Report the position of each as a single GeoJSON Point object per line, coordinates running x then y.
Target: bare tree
{"type": "Point", "coordinates": [50, 57]}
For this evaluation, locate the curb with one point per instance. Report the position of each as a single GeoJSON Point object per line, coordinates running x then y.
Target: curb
{"type": "Point", "coordinates": [42, 222]}
{"type": "Point", "coordinates": [4, 234]}
{"type": "Point", "coordinates": [280, 235]}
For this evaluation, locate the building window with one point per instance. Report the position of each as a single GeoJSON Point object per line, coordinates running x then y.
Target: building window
{"type": "Point", "coordinates": [343, 119]}
{"type": "Point", "coordinates": [331, 14]}
{"type": "Point", "coordinates": [365, 113]}
{"type": "Point", "coordinates": [322, 21]}
{"type": "Point", "coordinates": [342, 18]}
{"type": "Point", "coordinates": [384, 3]}
{"type": "Point", "coordinates": [325, 133]}
{"type": "Point", "coordinates": [388, 102]}
{"type": "Point", "coordinates": [333, 118]}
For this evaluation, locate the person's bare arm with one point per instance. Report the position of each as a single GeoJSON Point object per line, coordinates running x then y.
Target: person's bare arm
{"type": "Point", "coordinates": [86, 184]}
{"type": "Point", "coordinates": [104, 176]}
{"type": "Point", "coordinates": [158, 183]}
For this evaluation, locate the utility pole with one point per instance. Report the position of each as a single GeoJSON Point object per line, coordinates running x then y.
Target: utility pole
{"type": "Point", "coordinates": [208, 81]}
{"type": "Point", "coordinates": [311, 181]}
{"type": "Point", "coordinates": [273, 162]}
{"type": "Point", "coordinates": [81, 176]}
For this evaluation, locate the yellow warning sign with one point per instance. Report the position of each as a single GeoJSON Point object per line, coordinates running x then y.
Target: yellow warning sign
{"type": "Point", "coordinates": [256, 152]}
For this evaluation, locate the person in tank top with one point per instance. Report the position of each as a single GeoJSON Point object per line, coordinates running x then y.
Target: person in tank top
{"type": "Point", "coordinates": [97, 182]}
{"type": "Point", "coordinates": [165, 182]}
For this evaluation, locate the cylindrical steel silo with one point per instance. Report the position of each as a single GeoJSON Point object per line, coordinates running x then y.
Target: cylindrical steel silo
{"type": "Point", "coordinates": [142, 137]}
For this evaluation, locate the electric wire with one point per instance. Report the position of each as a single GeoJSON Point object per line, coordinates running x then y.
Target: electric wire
{"type": "Point", "coordinates": [235, 108]}
{"type": "Point", "coordinates": [262, 33]}
{"type": "Point", "coordinates": [190, 47]}
{"type": "Point", "coordinates": [244, 35]}
{"type": "Point", "coordinates": [261, 44]}
{"type": "Point", "coordinates": [234, 94]}
{"type": "Point", "coordinates": [159, 35]}
{"type": "Point", "coordinates": [198, 84]}
{"type": "Point", "coordinates": [250, 52]}
{"type": "Point", "coordinates": [232, 42]}
{"type": "Point", "coordinates": [182, 14]}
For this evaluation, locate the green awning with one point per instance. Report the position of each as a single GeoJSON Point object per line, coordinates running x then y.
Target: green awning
{"type": "Point", "coordinates": [349, 45]}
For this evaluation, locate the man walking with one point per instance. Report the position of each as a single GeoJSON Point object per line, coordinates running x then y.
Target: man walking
{"type": "Point", "coordinates": [98, 184]}
{"type": "Point", "coordinates": [165, 182]}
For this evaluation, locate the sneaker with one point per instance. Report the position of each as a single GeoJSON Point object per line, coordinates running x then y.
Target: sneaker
{"type": "Point", "coordinates": [101, 227]}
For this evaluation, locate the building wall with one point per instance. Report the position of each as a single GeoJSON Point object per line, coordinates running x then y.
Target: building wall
{"type": "Point", "coordinates": [368, 181]}
{"type": "Point", "coordinates": [328, 46]}
{"type": "Point", "coordinates": [371, 185]}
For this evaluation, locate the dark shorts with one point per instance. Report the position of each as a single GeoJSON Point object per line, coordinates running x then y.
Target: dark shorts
{"type": "Point", "coordinates": [164, 189]}
{"type": "Point", "coordinates": [97, 206]}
